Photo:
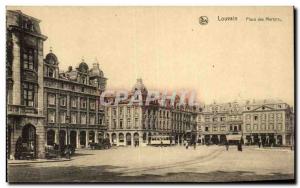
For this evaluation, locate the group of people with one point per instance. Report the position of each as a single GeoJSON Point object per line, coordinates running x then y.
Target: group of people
{"type": "Point", "coordinates": [239, 146]}
{"type": "Point", "coordinates": [187, 144]}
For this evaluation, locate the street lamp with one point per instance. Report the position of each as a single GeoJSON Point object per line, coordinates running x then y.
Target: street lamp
{"type": "Point", "coordinates": [67, 127]}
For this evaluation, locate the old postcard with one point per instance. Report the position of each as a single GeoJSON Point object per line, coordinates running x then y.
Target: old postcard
{"type": "Point", "coordinates": [150, 94]}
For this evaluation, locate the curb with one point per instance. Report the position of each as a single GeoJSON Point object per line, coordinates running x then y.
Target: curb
{"type": "Point", "coordinates": [31, 162]}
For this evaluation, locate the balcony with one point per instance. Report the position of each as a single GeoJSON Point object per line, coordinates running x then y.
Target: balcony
{"type": "Point", "coordinates": [15, 110]}
{"type": "Point", "coordinates": [20, 110]}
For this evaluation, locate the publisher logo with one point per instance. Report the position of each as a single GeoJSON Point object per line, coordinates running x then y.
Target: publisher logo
{"type": "Point", "coordinates": [203, 20]}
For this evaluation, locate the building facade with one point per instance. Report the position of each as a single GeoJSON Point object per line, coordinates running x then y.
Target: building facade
{"type": "Point", "coordinates": [268, 122]}
{"type": "Point", "coordinates": [218, 121]}
{"type": "Point", "coordinates": [24, 86]}
{"type": "Point", "coordinates": [72, 103]}
{"type": "Point", "coordinates": [130, 124]}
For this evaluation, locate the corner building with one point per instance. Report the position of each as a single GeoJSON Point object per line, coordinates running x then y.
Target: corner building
{"type": "Point", "coordinates": [24, 86]}
{"type": "Point", "coordinates": [269, 122]}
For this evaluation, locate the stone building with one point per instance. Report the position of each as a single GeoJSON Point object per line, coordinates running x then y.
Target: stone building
{"type": "Point", "coordinates": [72, 103]}
{"type": "Point", "coordinates": [135, 123]}
{"type": "Point", "coordinates": [270, 122]}
{"type": "Point", "coordinates": [218, 121]}
{"type": "Point", "coordinates": [24, 86]}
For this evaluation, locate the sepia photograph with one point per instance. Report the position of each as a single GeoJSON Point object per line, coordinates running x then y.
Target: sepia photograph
{"type": "Point", "coordinates": [150, 94]}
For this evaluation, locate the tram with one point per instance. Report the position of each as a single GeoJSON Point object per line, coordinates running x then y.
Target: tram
{"type": "Point", "coordinates": [160, 140]}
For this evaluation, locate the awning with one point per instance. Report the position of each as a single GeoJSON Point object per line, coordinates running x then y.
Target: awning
{"type": "Point", "coordinates": [233, 137]}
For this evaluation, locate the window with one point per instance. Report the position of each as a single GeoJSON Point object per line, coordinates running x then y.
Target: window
{"type": "Point", "coordinates": [128, 111]}
{"type": "Point", "coordinates": [121, 137]}
{"type": "Point", "coordinates": [248, 127]}
{"type": "Point", "coordinates": [136, 123]}
{"type": "Point", "coordinates": [63, 101]}
{"type": "Point", "coordinates": [121, 124]}
{"type": "Point", "coordinates": [62, 117]}
{"type": "Point", "coordinates": [214, 119]}
{"type": "Point", "coordinates": [73, 102]}
{"type": "Point", "coordinates": [27, 24]}
{"type": "Point", "coordinates": [114, 112]}
{"type": "Point", "coordinates": [82, 80]}
{"type": "Point", "coordinates": [128, 124]}
{"type": "Point", "coordinates": [83, 103]}
{"type": "Point", "coordinates": [248, 117]}
{"type": "Point", "coordinates": [271, 117]}
{"type": "Point", "coordinates": [51, 116]}
{"type": "Point", "coordinates": [28, 94]}
{"type": "Point", "coordinates": [100, 121]}
{"type": "Point", "coordinates": [92, 119]}
{"type": "Point", "coordinates": [278, 116]}
{"type": "Point", "coordinates": [136, 110]}
{"type": "Point", "coordinates": [223, 128]}
{"type": "Point", "coordinates": [28, 59]}
{"type": "Point", "coordinates": [92, 105]}
{"type": "Point", "coordinates": [215, 128]}
{"type": "Point", "coordinates": [121, 111]}
{"type": "Point", "coordinates": [51, 73]}
{"type": "Point", "coordinates": [73, 118]}
{"type": "Point", "coordinates": [114, 124]}
{"type": "Point", "coordinates": [222, 118]}
{"type": "Point", "coordinates": [255, 118]}
{"type": "Point", "coordinates": [255, 127]}
{"type": "Point", "coordinates": [83, 119]}
{"type": "Point", "coordinates": [206, 128]}
{"type": "Point", "coordinates": [51, 99]}
{"type": "Point", "coordinates": [207, 118]}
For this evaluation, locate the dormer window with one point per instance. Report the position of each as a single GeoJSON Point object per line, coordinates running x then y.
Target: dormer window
{"type": "Point", "coordinates": [83, 80]}
{"type": "Point", "coordinates": [27, 24]}
{"type": "Point", "coordinates": [51, 73]}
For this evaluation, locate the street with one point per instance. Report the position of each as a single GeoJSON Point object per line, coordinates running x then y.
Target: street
{"type": "Point", "coordinates": [162, 164]}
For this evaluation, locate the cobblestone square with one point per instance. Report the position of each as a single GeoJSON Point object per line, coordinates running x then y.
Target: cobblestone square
{"type": "Point", "coordinates": [162, 164]}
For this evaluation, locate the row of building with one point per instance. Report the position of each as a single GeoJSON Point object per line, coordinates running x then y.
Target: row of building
{"type": "Point", "coordinates": [47, 106]}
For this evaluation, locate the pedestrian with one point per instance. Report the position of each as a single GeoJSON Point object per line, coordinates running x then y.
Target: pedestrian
{"type": "Point", "coordinates": [239, 146]}
{"type": "Point", "coordinates": [187, 145]}
{"type": "Point", "coordinates": [259, 144]}
{"type": "Point", "coordinates": [227, 146]}
{"type": "Point", "coordinates": [19, 149]}
{"type": "Point", "coordinates": [194, 145]}
{"type": "Point", "coordinates": [68, 152]}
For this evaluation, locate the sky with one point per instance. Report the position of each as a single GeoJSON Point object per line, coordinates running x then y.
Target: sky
{"type": "Point", "coordinates": [168, 48]}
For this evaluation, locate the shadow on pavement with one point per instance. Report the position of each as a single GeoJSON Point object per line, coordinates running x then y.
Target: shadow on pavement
{"type": "Point", "coordinates": [29, 174]}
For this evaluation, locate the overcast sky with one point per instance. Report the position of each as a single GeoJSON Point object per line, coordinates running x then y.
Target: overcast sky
{"type": "Point", "coordinates": [170, 50]}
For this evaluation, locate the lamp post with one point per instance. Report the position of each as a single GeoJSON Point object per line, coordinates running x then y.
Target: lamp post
{"type": "Point", "coordinates": [67, 127]}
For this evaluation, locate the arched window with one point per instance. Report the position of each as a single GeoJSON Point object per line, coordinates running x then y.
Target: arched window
{"type": "Point", "coordinates": [121, 137]}
{"type": "Point", "coordinates": [82, 79]}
